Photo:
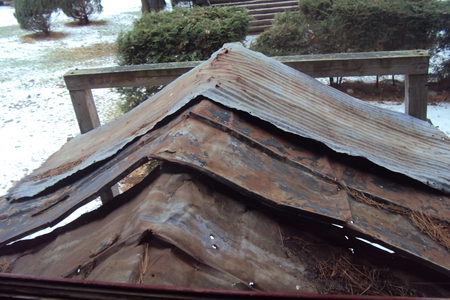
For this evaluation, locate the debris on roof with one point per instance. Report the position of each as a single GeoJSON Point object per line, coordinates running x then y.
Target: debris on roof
{"type": "Point", "coordinates": [263, 175]}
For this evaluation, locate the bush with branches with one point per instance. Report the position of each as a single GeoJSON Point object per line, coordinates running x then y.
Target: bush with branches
{"type": "Point", "coordinates": [35, 15]}
{"type": "Point", "coordinates": [184, 34]}
{"type": "Point", "coordinates": [81, 10]}
{"type": "Point", "coordinates": [335, 26]}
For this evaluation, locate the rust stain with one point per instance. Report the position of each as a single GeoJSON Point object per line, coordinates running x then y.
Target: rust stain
{"type": "Point", "coordinates": [48, 206]}
{"type": "Point", "coordinates": [113, 240]}
{"type": "Point", "coordinates": [266, 142]}
{"type": "Point", "coordinates": [288, 100]}
{"type": "Point", "coordinates": [57, 171]}
{"type": "Point", "coordinates": [239, 153]}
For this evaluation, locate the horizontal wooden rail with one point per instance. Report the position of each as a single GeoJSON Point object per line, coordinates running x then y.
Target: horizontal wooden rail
{"type": "Point", "coordinates": [324, 65]}
{"type": "Point", "coordinates": [413, 64]}
{"type": "Point", "coordinates": [127, 76]}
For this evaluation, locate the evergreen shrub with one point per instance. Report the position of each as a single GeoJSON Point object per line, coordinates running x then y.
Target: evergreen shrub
{"type": "Point", "coordinates": [335, 26]}
{"type": "Point", "coordinates": [81, 10]}
{"type": "Point", "coordinates": [35, 15]}
{"type": "Point", "coordinates": [184, 34]}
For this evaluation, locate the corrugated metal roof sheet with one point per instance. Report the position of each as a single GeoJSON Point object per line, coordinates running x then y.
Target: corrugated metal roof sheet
{"type": "Point", "coordinates": [249, 81]}
{"type": "Point", "coordinates": [292, 176]}
{"type": "Point", "coordinates": [261, 131]}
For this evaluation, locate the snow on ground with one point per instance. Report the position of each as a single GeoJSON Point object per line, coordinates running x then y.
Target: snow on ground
{"type": "Point", "coordinates": [438, 113]}
{"type": "Point", "coordinates": [36, 115]}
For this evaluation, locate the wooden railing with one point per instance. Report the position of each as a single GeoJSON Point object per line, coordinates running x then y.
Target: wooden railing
{"type": "Point", "coordinates": [413, 64]}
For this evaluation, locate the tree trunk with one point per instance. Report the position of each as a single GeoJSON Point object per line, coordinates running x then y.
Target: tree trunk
{"type": "Point", "coordinates": [152, 5]}
{"type": "Point", "coordinates": [145, 6]}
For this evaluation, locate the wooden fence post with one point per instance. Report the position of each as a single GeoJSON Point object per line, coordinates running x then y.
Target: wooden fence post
{"type": "Point", "coordinates": [416, 94]}
{"type": "Point", "coordinates": [87, 116]}
{"type": "Point", "coordinates": [85, 110]}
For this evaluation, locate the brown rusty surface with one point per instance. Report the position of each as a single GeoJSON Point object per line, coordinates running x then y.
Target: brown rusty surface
{"type": "Point", "coordinates": [176, 229]}
{"type": "Point", "coordinates": [293, 102]}
{"type": "Point", "coordinates": [366, 178]}
{"type": "Point", "coordinates": [276, 171]}
{"type": "Point", "coordinates": [175, 232]}
{"type": "Point", "coordinates": [196, 144]}
{"type": "Point", "coordinates": [399, 233]}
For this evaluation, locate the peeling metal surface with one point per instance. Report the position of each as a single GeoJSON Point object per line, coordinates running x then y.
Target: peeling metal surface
{"type": "Point", "coordinates": [196, 144]}
{"type": "Point", "coordinates": [398, 232]}
{"type": "Point", "coordinates": [280, 172]}
{"type": "Point", "coordinates": [176, 231]}
{"type": "Point", "coordinates": [293, 102]}
{"type": "Point", "coordinates": [261, 138]}
{"type": "Point", "coordinates": [371, 182]}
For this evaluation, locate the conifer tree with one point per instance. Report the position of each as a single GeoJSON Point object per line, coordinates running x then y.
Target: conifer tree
{"type": "Point", "coordinates": [35, 15]}
{"type": "Point", "coordinates": [81, 10]}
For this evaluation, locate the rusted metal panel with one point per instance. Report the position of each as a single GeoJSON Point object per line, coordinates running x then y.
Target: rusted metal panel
{"type": "Point", "coordinates": [276, 137]}
{"type": "Point", "coordinates": [398, 232]}
{"type": "Point", "coordinates": [297, 104]}
{"type": "Point", "coordinates": [394, 189]}
{"type": "Point", "coordinates": [293, 102]}
{"type": "Point", "coordinates": [280, 173]}
{"type": "Point", "coordinates": [196, 144]}
{"type": "Point", "coordinates": [175, 229]}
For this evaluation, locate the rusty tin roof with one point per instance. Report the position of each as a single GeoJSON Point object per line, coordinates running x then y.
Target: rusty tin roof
{"type": "Point", "coordinates": [278, 138]}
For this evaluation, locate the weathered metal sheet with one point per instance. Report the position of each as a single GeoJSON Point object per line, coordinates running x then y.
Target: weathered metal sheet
{"type": "Point", "coordinates": [296, 103]}
{"type": "Point", "coordinates": [365, 178]}
{"type": "Point", "coordinates": [275, 171]}
{"type": "Point", "coordinates": [176, 231]}
{"type": "Point", "coordinates": [188, 141]}
{"type": "Point", "coordinates": [293, 102]}
{"type": "Point", "coordinates": [399, 233]}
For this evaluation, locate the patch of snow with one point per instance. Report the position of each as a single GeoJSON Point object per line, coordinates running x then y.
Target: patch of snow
{"type": "Point", "coordinates": [36, 114]}
{"type": "Point", "coordinates": [94, 204]}
{"type": "Point", "coordinates": [7, 16]}
{"type": "Point", "coordinates": [437, 113]}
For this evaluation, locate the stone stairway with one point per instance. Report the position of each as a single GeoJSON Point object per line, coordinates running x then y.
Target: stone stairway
{"type": "Point", "coordinates": [262, 11]}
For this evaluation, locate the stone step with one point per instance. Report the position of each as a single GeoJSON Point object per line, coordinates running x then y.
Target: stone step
{"type": "Point", "coordinates": [262, 11]}
{"type": "Point", "coordinates": [258, 29]}
{"type": "Point", "coordinates": [263, 16]}
{"type": "Point", "coordinates": [264, 22]}
{"type": "Point", "coordinates": [271, 10]}
{"type": "Point", "coordinates": [258, 5]}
